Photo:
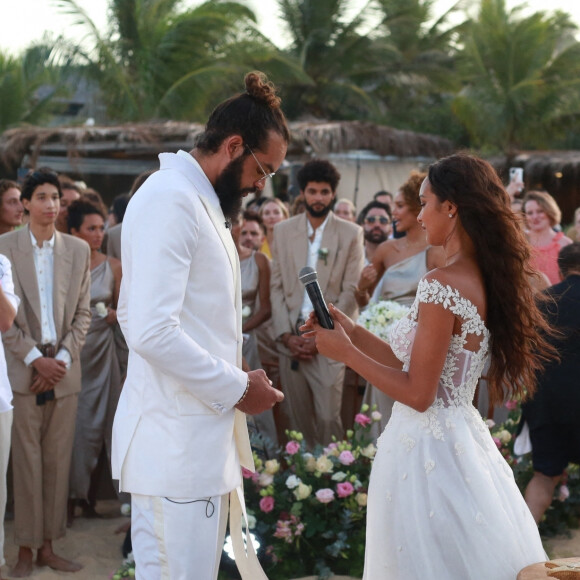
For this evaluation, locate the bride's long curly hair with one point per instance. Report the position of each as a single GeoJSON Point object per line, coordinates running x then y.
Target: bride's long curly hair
{"type": "Point", "coordinates": [517, 327]}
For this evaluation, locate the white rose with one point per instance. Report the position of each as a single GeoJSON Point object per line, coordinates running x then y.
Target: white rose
{"type": "Point", "coordinates": [293, 481]}
{"type": "Point", "coordinates": [265, 479]}
{"type": "Point", "coordinates": [302, 491]}
{"type": "Point", "coordinates": [323, 464]}
{"type": "Point", "coordinates": [505, 436]}
{"type": "Point", "coordinates": [101, 309]}
{"type": "Point", "coordinates": [369, 451]}
{"type": "Point", "coordinates": [251, 521]}
{"type": "Point", "coordinates": [376, 416]}
{"type": "Point", "coordinates": [338, 476]}
{"type": "Point", "coordinates": [361, 499]}
{"type": "Point", "coordinates": [272, 466]}
{"type": "Point", "coordinates": [246, 311]}
{"type": "Point", "coordinates": [310, 463]}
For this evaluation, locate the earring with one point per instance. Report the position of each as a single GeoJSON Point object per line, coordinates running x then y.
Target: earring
{"type": "Point", "coordinates": [450, 215]}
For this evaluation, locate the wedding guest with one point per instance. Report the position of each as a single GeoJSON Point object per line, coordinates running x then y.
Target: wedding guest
{"type": "Point", "coordinates": [439, 488]}
{"type": "Point", "coordinates": [398, 264]}
{"type": "Point", "coordinates": [552, 414]}
{"type": "Point", "coordinates": [252, 231]}
{"type": "Point", "coordinates": [180, 436]}
{"type": "Point", "coordinates": [385, 197]}
{"type": "Point", "coordinates": [272, 211]}
{"type": "Point", "coordinates": [542, 214]}
{"type": "Point", "coordinates": [345, 209]}
{"type": "Point", "coordinates": [312, 383]}
{"type": "Point", "coordinates": [101, 373]}
{"type": "Point", "coordinates": [574, 230]}
{"type": "Point", "coordinates": [70, 192]}
{"type": "Point", "coordinates": [51, 277]}
{"type": "Point", "coordinates": [11, 209]}
{"type": "Point", "coordinates": [298, 205]}
{"type": "Point", "coordinates": [376, 220]}
{"type": "Point", "coordinates": [8, 306]}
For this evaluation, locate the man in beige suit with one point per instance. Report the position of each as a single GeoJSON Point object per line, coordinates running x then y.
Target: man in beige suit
{"type": "Point", "coordinates": [52, 279]}
{"type": "Point", "coordinates": [312, 383]}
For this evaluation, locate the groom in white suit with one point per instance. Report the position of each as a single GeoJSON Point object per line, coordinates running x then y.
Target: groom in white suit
{"type": "Point", "coordinates": [180, 436]}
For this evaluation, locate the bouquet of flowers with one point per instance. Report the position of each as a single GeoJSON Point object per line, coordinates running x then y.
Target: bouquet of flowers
{"type": "Point", "coordinates": [309, 509]}
{"type": "Point", "coordinates": [379, 317]}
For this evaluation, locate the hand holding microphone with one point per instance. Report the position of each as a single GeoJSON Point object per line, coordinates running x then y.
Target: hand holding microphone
{"type": "Point", "coordinates": [309, 278]}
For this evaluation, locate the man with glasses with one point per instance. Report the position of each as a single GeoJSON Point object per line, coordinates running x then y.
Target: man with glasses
{"type": "Point", "coordinates": [313, 383]}
{"type": "Point", "coordinates": [180, 436]}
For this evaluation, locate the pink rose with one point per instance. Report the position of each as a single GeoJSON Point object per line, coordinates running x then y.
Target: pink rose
{"type": "Point", "coordinates": [511, 405]}
{"type": "Point", "coordinates": [267, 504]}
{"type": "Point", "coordinates": [247, 474]}
{"type": "Point", "coordinates": [362, 419]}
{"type": "Point", "coordinates": [497, 442]}
{"type": "Point", "coordinates": [325, 495]}
{"type": "Point", "coordinates": [292, 447]}
{"type": "Point", "coordinates": [346, 458]}
{"type": "Point", "coordinates": [344, 489]}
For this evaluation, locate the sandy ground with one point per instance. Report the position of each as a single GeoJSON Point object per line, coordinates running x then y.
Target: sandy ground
{"type": "Point", "coordinates": [94, 544]}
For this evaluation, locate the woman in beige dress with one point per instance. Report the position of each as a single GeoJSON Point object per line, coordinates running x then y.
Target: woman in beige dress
{"type": "Point", "coordinates": [397, 267]}
{"type": "Point", "coordinates": [101, 376]}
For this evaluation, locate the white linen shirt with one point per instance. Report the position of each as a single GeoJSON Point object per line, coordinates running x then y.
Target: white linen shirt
{"type": "Point", "coordinates": [8, 289]}
{"type": "Point", "coordinates": [313, 257]}
{"type": "Point", "coordinates": [44, 267]}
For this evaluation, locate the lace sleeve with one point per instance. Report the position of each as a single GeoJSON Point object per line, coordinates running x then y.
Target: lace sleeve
{"type": "Point", "coordinates": [433, 292]}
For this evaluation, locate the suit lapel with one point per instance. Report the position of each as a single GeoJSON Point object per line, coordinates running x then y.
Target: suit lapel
{"type": "Point", "coordinates": [299, 245]}
{"type": "Point", "coordinates": [23, 265]}
{"type": "Point", "coordinates": [329, 243]}
{"type": "Point", "coordinates": [62, 272]}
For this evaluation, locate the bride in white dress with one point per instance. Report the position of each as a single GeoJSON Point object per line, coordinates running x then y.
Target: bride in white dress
{"type": "Point", "coordinates": [443, 503]}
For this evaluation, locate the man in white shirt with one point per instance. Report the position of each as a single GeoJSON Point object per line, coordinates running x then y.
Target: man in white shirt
{"type": "Point", "coordinates": [52, 279]}
{"type": "Point", "coordinates": [312, 383]}
{"type": "Point", "coordinates": [180, 434]}
{"type": "Point", "coordinates": [8, 307]}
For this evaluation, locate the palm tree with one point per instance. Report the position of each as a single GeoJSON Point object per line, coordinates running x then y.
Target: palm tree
{"type": "Point", "coordinates": [521, 78]}
{"type": "Point", "coordinates": [157, 62]}
{"type": "Point", "coordinates": [417, 79]}
{"type": "Point", "coordinates": [31, 82]}
{"type": "Point", "coordinates": [335, 51]}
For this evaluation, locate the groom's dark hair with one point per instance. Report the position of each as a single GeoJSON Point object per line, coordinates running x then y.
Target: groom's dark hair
{"type": "Point", "coordinates": [252, 115]}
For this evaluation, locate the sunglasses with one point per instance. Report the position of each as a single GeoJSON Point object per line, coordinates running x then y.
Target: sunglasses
{"type": "Point", "coordinates": [375, 218]}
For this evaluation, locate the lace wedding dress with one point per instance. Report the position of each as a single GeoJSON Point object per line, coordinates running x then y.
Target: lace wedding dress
{"type": "Point", "coordinates": [443, 503]}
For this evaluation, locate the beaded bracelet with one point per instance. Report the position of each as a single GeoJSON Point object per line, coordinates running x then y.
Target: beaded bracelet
{"type": "Point", "coordinates": [245, 392]}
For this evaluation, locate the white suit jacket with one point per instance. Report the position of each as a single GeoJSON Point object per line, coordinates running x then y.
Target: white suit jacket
{"type": "Point", "coordinates": [176, 432]}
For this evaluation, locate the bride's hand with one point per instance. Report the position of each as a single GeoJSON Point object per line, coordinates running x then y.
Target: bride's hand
{"type": "Point", "coordinates": [334, 344]}
{"type": "Point", "coordinates": [337, 316]}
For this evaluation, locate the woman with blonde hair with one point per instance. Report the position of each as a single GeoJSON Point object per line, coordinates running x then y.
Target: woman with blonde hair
{"type": "Point", "coordinates": [542, 214]}
{"type": "Point", "coordinates": [272, 211]}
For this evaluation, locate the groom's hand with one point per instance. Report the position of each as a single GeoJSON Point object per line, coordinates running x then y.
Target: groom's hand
{"type": "Point", "coordinates": [261, 395]}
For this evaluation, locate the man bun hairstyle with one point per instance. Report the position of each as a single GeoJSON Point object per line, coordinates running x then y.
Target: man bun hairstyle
{"type": "Point", "coordinates": [251, 114]}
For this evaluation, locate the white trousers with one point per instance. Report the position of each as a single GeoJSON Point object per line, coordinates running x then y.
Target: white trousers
{"type": "Point", "coordinates": [177, 539]}
{"type": "Point", "coordinates": [5, 428]}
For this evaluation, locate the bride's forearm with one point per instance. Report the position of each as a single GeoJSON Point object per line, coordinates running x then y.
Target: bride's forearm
{"type": "Point", "coordinates": [373, 347]}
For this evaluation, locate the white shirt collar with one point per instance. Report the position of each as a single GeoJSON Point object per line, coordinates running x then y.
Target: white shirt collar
{"type": "Point", "coordinates": [319, 229]}
{"type": "Point", "coordinates": [45, 244]}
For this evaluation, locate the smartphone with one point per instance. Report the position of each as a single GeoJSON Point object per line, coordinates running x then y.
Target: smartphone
{"type": "Point", "coordinates": [516, 174]}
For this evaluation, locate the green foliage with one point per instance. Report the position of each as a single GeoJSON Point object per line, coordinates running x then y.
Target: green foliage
{"type": "Point", "coordinates": [521, 78]}
{"type": "Point", "coordinates": [157, 61]}
{"type": "Point", "coordinates": [31, 82]}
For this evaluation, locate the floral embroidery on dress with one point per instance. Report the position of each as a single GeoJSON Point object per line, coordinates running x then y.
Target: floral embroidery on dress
{"type": "Point", "coordinates": [429, 466]}
{"type": "Point", "coordinates": [408, 442]}
{"type": "Point", "coordinates": [462, 367]}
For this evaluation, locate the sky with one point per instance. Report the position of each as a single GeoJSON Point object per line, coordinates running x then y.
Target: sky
{"type": "Point", "coordinates": [26, 20]}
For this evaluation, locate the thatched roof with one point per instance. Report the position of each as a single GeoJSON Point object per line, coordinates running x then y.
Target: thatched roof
{"type": "Point", "coordinates": [146, 140]}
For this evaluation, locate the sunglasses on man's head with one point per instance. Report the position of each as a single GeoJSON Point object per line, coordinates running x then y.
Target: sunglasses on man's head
{"type": "Point", "coordinates": [374, 218]}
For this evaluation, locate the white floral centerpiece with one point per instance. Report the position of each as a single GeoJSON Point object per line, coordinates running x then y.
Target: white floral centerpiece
{"type": "Point", "coordinates": [379, 317]}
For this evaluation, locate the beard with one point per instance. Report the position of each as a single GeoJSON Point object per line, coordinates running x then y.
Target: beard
{"type": "Point", "coordinates": [375, 236]}
{"type": "Point", "coordinates": [318, 213]}
{"type": "Point", "coordinates": [228, 188]}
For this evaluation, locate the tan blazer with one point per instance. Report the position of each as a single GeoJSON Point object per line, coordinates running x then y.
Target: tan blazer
{"type": "Point", "coordinates": [337, 275]}
{"type": "Point", "coordinates": [114, 241]}
{"type": "Point", "coordinates": [71, 306]}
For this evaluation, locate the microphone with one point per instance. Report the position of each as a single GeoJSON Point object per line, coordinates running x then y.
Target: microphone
{"type": "Point", "coordinates": [309, 278]}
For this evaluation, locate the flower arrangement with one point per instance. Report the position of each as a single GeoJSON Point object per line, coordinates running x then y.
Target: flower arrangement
{"type": "Point", "coordinates": [379, 317]}
{"type": "Point", "coordinates": [309, 509]}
